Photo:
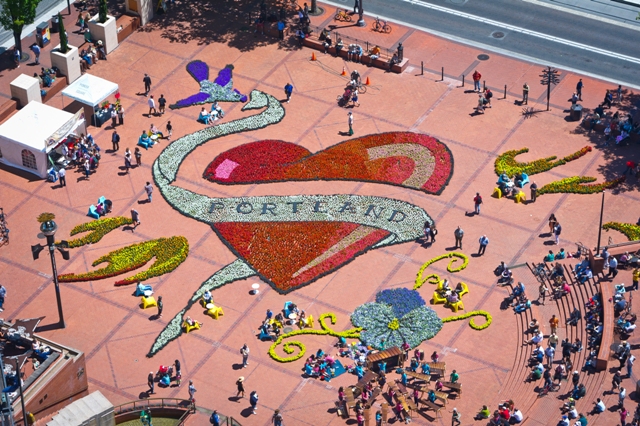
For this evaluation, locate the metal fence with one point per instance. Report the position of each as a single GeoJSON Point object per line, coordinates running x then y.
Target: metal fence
{"type": "Point", "coordinates": [385, 52]}
{"type": "Point", "coordinates": [151, 403]}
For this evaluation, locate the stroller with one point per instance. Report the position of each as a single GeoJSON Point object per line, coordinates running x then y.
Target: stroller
{"type": "Point", "coordinates": [345, 98]}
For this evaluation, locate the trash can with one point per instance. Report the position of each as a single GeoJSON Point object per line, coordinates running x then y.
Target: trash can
{"type": "Point", "coordinates": [55, 24]}
{"type": "Point", "coordinates": [43, 37]}
{"type": "Point", "coordinates": [576, 112]}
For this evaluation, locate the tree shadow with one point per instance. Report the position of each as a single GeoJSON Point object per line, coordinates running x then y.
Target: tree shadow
{"type": "Point", "coordinates": [615, 156]}
{"type": "Point", "coordinates": [234, 24]}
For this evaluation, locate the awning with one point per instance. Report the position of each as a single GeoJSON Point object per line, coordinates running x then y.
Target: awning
{"type": "Point", "coordinates": [90, 90]}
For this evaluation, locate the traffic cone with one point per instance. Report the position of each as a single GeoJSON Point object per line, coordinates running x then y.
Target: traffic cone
{"type": "Point", "coordinates": [344, 72]}
{"type": "Point", "coordinates": [313, 56]}
{"type": "Point", "coordinates": [367, 82]}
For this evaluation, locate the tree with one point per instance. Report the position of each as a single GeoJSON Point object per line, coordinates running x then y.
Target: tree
{"type": "Point", "coordinates": [103, 12]}
{"type": "Point", "coordinates": [64, 42]}
{"type": "Point", "coordinates": [15, 14]}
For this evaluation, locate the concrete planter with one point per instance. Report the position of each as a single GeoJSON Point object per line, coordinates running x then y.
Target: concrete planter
{"type": "Point", "coordinates": [107, 32]}
{"type": "Point", "coordinates": [68, 63]}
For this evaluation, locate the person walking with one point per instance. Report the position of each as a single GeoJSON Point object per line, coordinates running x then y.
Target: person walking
{"type": "Point", "coordinates": [288, 90]}
{"type": "Point", "coordinates": [556, 232]}
{"type": "Point", "coordinates": [127, 159]}
{"type": "Point", "coordinates": [476, 81]}
{"type": "Point", "coordinates": [630, 362]}
{"type": "Point", "coordinates": [543, 290]}
{"type": "Point", "coordinates": [152, 106]}
{"type": "Point", "coordinates": [553, 324]}
{"type": "Point", "coordinates": [62, 174]}
{"type": "Point", "coordinates": [240, 386]}
{"type": "Point", "coordinates": [121, 115]}
{"type": "Point", "coordinates": [525, 94]}
{"type": "Point", "coordinates": [151, 383]}
{"type": "Point", "coordinates": [579, 88]}
{"type": "Point", "coordinates": [549, 354]}
{"type": "Point", "coordinates": [160, 306]}
{"type": "Point", "coordinates": [458, 234]}
{"type": "Point", "coordinates": [619, 93]}
{"type": "Point", "coordinates": [177, 366]}
{"type": "Point", "coordinates": [253, 400]}
{"type": "Point", "coordinates": [636, 279]}
{"type": "Point", "coordinates": [484, 241]}
{"type": "Point", "coordinates": [477, 200]}
{"type": "Point", "coordinates": [534, 192]}
{"type": "Point", "coordinates": [87, 169]}
{"type": "Point", "coordinates": [356, 6]}
{"type": "Point", "coordinates": [277, 418]}
{"type": "Point", "coordinates": [615, 381]}
{"type": "Point", "coordinates": [162, 102]}
{"type": "Point", "coordinates": [169, 130]}
{"type": "Point", "coordinates": [350, 123]}
{"type": "Point", "coordinates": [135, 217]}
{"type": "Point", "coordinates": [138, 155]}
{"type": "Point", "coordinates": [3, 294]}
{"type": "Point", "coordinates": [245, 355]}
{"type": "Point", "coordinates": [432, 233]}
{"type": "Point", "coordinates": [147, 84]}
{"type": "Point", "coordinates": [149, 190]}
{"type": "Point", "coordinates": [192, 392]}
{"type": "Point", "coordinates": [621, 396]}
{"type": "Point", "coordinates": [455, 415]}
{"type": "Point", "coordinates": [631, 165]}
{"type": "Point", "coordinates": [36, 51]}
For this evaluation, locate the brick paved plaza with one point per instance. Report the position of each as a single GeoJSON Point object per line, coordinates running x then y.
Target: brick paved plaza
{"type": "Point", "coordinates": [107, 323]}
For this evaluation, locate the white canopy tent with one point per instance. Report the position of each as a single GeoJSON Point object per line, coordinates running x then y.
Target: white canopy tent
{"type": "Point", "coordinates": [35, 130]}
{"type": "Point", "coordinates": [90, 90]}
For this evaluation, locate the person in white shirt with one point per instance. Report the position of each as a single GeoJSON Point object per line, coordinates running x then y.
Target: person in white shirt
{"type": "Point", "coordinates": [517, 416]}
{"type": "Point", "coordinates": [62, 174]}
{"type": "Point", "coordinates": [152, 106]}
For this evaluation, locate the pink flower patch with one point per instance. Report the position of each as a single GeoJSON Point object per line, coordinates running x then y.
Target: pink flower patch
{"type": "Point", "coordinates": [223, 171]}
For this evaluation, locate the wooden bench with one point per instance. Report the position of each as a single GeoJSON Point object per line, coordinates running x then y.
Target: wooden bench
{"type": "Point", "coordinates": [441, 396]}
{"type": "Point", "coordinates": [374, 394]}
{"type": "Point", "coordinates": [384, 411]}
{"type": "Point", "coordinates": [57, 86]}
{"type": "Point", "coordinates": [439, 368]}
{"type": "Point", "coordinates": [608, 319]}
{"type": "Point", "coordinates": [456, 387]}
{"type": "Point", "coordinates": [349, 399]}
{"type": "Point", "coordinates": [378, 63]}
{"type": "Point", "coordinates": [366, 379]}
{"type": "Point", "coordinates": [433, 407]}
{"type": "Point", "coordinates": [402, 388]}
{"type": "Point", "coordinates": [341, 410]}
{"type": "Point", "coordinates": [419, 376]}
{"type": "Point", "coordinates": [129, 24]}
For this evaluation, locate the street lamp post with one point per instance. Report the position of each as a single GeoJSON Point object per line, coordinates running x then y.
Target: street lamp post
{"type": "Point", "coordinates": [600, 227]}
{"type": "Point", "coordinates": [19, 378]}
{"type": "Point", "coordinates": [361, 22]}
{"type": "Point", "coordinates": [49, 228]}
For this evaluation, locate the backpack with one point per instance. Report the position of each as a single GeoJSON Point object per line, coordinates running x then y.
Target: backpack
{"type": "Point", "coordinates": [489, 94]}
{"type": "Point", "coordinates": [479, 199]}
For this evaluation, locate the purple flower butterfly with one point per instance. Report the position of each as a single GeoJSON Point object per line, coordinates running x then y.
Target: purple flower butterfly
{"type": "Point", "coordinates": [221, 89]}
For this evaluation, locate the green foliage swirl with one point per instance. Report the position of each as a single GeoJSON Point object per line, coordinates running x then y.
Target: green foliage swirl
{"type": "Point", "coordinates": [631, 231]}
{"type": "Point", "coordinates": [472, 324]}
{"type": "Point", "coordinates": [100, 228]}
{"type": "Point", "coordinates": [288, 347]}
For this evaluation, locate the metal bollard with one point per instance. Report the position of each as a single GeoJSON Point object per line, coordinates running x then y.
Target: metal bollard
{"type": "Point", "coordinates": [505, 92]}
{"type": "Point", "coordinates": [421, 67]}
{"type": "Point", "coordinates": [484, 85]}
{"type": "Point", "coordinates": [462, 80]}
{"type": "Point", "coordinates": [442, 78]}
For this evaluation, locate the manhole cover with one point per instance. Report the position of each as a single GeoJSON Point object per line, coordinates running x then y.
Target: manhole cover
{"type": "Point", "coordinates": [497, 34]}
{"type": "Point", "coordinates": [483, 57]}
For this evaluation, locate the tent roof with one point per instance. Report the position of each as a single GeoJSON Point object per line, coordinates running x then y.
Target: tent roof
{"type": "Point", "coordinates": [90, 90]}
{"type": "Point", "coordinates": [33, 124]}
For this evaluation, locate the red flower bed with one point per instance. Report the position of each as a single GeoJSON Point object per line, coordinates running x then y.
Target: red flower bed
{"type": "Point", "coordinates": [406, 159]}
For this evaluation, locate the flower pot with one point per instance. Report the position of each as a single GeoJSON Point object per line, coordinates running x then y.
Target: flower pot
{"type": "Point", "coordinates": [68, 63]}
{"type": "Point", "coordinates": [107, 32]}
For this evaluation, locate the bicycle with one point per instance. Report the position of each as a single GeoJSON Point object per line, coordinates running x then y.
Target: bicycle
{"type": "Point", "coordinates": [553, 387]}
{"type": "Point", "coordinates": [381, 26]}
{"type": "Point", "coordinates": [342, 15]}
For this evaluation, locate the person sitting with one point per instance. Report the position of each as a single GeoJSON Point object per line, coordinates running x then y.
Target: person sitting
{"type": "Point", "coordinates": [431, 396]}
{"type": "Point", "coordinates": [619, 306]}
{"type": "Point", "coordinates": [426, 369]}
{"type": "Point", "coordinates": [619, 288]}
{"type": "Point", "coordinates": [102, 53]}
{"type": "Point", "coordinates": [599, 406]}
{"type": "Point", "coordinates": [550, 257]}
{"type": "Point", "coordinates": [459, 288]}
{"type": "Point", "coordinates": [523, 306]}
{"type": "Point", "coordinates": [327, 44]}
{"type": "Point", "coordinates": [190, 321]}
{"type": "Point", "coordinates": [393, 61]}
{"type": "Point", "coordinates": [506, 277]}
{"type": "Point", "coordinates": [516, 416]}
{"type": "Point", "coordinates": [374, 54]}
{"type": "Point", "coordinates": [145, 140]}
{"type": "Point", "coordinates": [339, 46]}
{"type": "Point", "coordinates": [536, 373]}
{"type": "Point", "coordinates": [561, 255]}
{"type": "Point", "coordinates": [580, 392]}
{"type": "Point", "coordinates": [218, 109]}
{"type": "Point", "coordinates": [324, 35]}
{"type": "Point", "coordinates": [534, 326]}
{"type": "Point", "coordinates": [207, 297]}
{"type": "Point", "coordinates": [624, 260]}
{"type": "Point", "coordinates": [484, 413]}
{"type": "Point", "coordinates": [452, 298]}
{"type": "Point", "coordinates": [500, 269]}
{"type": "Point", "coordinates": [100, 209]}
{"type": "Point", "coordinates": [445, 286]}
{"type": "Point", "coordinates": [204, 117]}
{"type": "Point", "coordinates": [537, 355]}
{"type": "Point", "coordinates": [585, 275]}
{"type": "Point", "coordinates": [518, 179]}
{"type": "Point", "coordinates": [519, 289]}
{"type": "Point", "coordinates": [300, 36]}
{"type": "Point", "coordinates": [576, 316]}
{"type": "Point", "coordinates": [582, 266]}
{"type": "Point", "coordinates": [535, 339]}
{"type": "Point", "coordinates": [439, 386]}
{"type": "Point", "coordinates": [141, 289]}
{"type": "Point", "coordinates": [153, 130]}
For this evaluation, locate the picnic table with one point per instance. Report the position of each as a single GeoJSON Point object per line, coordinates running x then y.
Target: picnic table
{"type": "Point", "coordinates": [430, 405]}
{"type": "Point", "coordinates": [419, 376]}
{"type": "Point", "coordinates": [366, 379]}
{"type": "Point", "coordinates": [457, 387]}
{"type": "Point", "coordinates": [441, 396]}
{"type": "Point", "coordinates": [439, 368]}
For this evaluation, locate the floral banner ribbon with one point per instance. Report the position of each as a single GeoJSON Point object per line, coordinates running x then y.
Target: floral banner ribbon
{"type": "Point", "coordinates": [359, 222]}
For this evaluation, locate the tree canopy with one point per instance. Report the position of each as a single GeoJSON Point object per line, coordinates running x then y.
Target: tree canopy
{"type": "Point", "coordinates": [15, 14]}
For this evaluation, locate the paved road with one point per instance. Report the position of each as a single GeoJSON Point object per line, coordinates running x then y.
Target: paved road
{"type": "Point", "coordinates": [44, 11]}
{"type": "Point", "coordinates": [602, 49]}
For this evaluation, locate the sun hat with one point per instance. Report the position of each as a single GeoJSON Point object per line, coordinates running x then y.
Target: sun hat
{"type": "Point", "coordinates": [241, 379]}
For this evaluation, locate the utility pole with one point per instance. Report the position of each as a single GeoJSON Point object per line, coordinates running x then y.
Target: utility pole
{"type": "Point", "coordinates": [549, 77]}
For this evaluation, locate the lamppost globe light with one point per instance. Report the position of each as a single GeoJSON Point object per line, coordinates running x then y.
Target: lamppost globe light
{"type": "Point", "coordinates": [49, 228]}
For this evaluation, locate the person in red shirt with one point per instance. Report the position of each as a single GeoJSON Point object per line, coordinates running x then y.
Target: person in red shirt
{"type": "Point", "coordinates": [631, 165]}
{"type": "Point", "coordinates": [476, 81]}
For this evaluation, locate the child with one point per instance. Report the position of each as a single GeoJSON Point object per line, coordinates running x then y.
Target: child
{"type": "Point", "coordinates": [169, 129]}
